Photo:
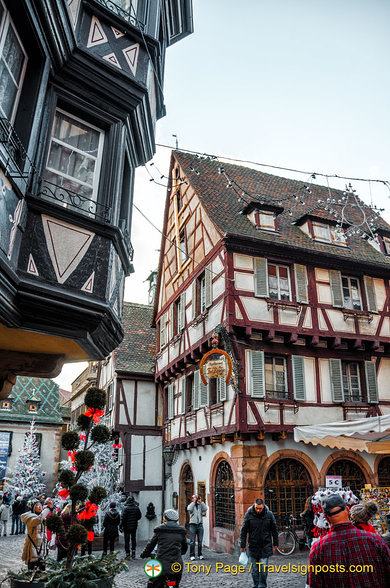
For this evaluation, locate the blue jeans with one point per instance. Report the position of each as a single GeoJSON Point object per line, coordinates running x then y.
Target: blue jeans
{"type": "Point", "coordinates": [196, 531]}
{"type": "Point", "coordinates": [259, 573]}
{"type": "Point", "coordinates": [16, 522]}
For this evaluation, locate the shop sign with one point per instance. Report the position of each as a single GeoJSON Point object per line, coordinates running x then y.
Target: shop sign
{"type": "Point", "coordinates": [334, 482]}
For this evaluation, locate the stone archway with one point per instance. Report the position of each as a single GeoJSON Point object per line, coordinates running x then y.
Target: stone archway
{"type": "Point", "coordinates": [287, 486]}
{"type": "Point", "coordinates": [383, 471]}
{"type": "Point", "coordinates": [186, 491]}
{"type": "Point", "coordinates": [351, 473]}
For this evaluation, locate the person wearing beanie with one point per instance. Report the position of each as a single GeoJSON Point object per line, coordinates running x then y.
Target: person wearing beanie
{"type": "Point", "coordinates": [334, 558]}
{"type": "Point", "coordinates": [111, 523]}
{"type": "Point", "coordinates": [361, 514]}
{"type": "Point", "coordinates": [171, 542]}
{"type": "Point", "coordinates": [131, 514]}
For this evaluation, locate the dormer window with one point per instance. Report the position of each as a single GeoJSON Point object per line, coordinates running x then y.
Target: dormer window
{"type": "Point", "coordinates": [328, 234]}
{"type": "Point", "coordinates": [6, 404]}
{"type": "Point", "coordinates": [33, 404]}
{"type": "Point", "coordinates": [265, 220]}
{"type": "Point", "coordinates": [386, 245]}
{"type": "Point", "coordinates": [262, 216]}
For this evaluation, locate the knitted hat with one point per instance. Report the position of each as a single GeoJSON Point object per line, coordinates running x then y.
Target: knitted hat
{"type": "Point", "coordinates": [171, 515]}
{"type": "Point", "coordinates": [363, 512]}
{"type": "Point", "coordinates": [130, 500]}
{"type": "Point", "coordinates": [112, 504]}
{"type": "Point", "coordinates": [332, 502]}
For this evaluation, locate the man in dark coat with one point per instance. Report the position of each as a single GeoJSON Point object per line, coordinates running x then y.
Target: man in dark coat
{"type": "Point", "coordinates": [260, 527]}
{"type": "Point", "coordinates": [131, 514]}
{"type": "Point", "coordinates": [111, 523]}
{"type": "Point", "coordinates": [171, 542]}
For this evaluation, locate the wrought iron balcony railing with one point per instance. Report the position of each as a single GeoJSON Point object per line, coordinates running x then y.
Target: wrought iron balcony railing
{"type": "Point", "coordinates": [128, 14]}
{"type": "Point", "coordinates": [75, 200]}
{"type": "Point", "coordinates": [15, 159]}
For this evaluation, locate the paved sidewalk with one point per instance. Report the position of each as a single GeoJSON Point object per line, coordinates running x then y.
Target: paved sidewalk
{"type": "Point", "coordinates": [222, 572]}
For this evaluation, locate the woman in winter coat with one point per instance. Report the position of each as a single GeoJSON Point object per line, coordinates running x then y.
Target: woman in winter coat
{"type": "Point", "coordinates": [111, 523]}
{"type": "Point", "coordinates": [307, 517]}
{"type": "Point", "coordinates": [362, 513]}
{"type": "Point", "coordinates": [4, 517]}
{"type": "Point", "coordinates": [33, 550]}
{"type": "Point", "coordinates": [61, 540]}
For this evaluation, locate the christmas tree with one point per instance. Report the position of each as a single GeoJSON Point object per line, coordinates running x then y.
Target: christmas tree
{"type": "Point", "coordinates": [27, 477]}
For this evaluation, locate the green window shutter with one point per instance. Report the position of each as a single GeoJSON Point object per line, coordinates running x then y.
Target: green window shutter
{"type": "Point", "coordinates": [261, 277]}
{"type": "Point", "coordinates": [196, 390]}
{"type": "Point", "coordinates": [336, 288]}
{"type": "Point", "coordinates": [298, 368]}
{"type": "Point", "coordinates": [300, 274]}
{"type": "Point", "coordinates": [193, 304]}
{"type": "Point", "coordinates": [182, 310]}
{"type": "Point", "coordinates": [371, 381]}
{"type": "Point", "coordinates": [204, 394]}
{"type": "Point", "coordinates": [370, 294]}
{"type": "Point", "coordinates": [171, 401]}
{"type": "Point", "coordinates": [256, 374]}
{"type": "Point", "coordinates": [209, 285]}
{"type": "Point", "coordinates": [336, 380]}
{"type": "Point", "coordinates": [221, 390]}
{"type": "Point", "coordinates": [183, 394]}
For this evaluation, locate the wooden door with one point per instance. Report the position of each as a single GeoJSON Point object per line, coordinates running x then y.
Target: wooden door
{"type": "Point", "coordinates": [186, 493]}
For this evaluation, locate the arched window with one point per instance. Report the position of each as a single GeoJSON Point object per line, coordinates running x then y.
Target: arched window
{"type": "Point", "coordinates": [225, 514]}
{"type": "Point", "coordinates": [287, 486]}
{"type": "Point", "coordinates": [384, 472]}
{"type": "Point", "coordinates": [350, 473]}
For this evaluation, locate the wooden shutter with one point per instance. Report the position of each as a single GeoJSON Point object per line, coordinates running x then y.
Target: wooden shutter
{"type": "Point", "coordinates": [370, 294]}
{"type": "Point", "coordinates": [182, 310]}
{"type": "Point", "coordinates": [371, 381]}
{"type": "Point", "coordinates": [256, 374]}
{"type": "Point", "coordinates": [204, 394]}
{"type": "Point", "coordinates": [171, 321]}
{"type": "Point", "coordinates": [336, 288]}
{"type": "Point", "coordinates": [261, 277]}
{"type": "Point", "coordinates": [298, 368]}
{"type": "Point", "coordinates": [336, 380]}
{"type": "Point", "coordinates": [163, 324]}
{"type": "Point", "coordinates": [193, 302]}
{"type": "Point", "coordinates": [183, 394]}
{"type": "Point", "coordinates": [221, 390]}
{"type": "Point", "coordinates": [196, 390]}
{"type": "Point", "coordinates": [171, 401]}
{"type": "Point", "coordinates": [300, 274]}
{"type": "Point", "coordinates": [209, 285]}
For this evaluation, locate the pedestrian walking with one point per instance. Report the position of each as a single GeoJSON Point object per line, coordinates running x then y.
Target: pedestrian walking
{"type": "Point", "coordinates": [17, 511]}
{"type": "Point", "coordinates": [197, 510]}
{"type": "Point", "coordinates": [259, 528]}
{"type": "Point", "coordinates": [111, 524]}
{"type": "Point", "coordinates": [5, 510]}
{"type": "Point", "coordinates": [171, 542]}
{"type": "Point", "coordinates": [349, 556]}
{"type": "Point", "coordinates": [33, 550]}
{"type": "Point", "coordinates": [131, 514]}
{"type": "Point", "coordinates": [307, 517]}
{"type": "Point", "coordinates": [362, 513]}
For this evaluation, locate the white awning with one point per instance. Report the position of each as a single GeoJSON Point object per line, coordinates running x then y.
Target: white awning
{"type": "Point", "coordinates": [371, 434]}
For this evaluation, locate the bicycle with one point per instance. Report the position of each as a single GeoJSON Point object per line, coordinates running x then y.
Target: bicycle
{"type": "Point", "coordinates": [288, 539]}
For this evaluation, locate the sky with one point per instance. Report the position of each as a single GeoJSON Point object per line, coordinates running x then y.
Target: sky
{"type": "Point", "coordinates": [290, 83]}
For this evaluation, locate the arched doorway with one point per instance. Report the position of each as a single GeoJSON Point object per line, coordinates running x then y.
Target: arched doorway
{"type": "Point", "coordinates": [384, 472]}
{"type": "Point", "coordinates": [224, 497]}
{"type": "Point", "coordinates": [351, 474]}
{"type": "Point", "coordinates": [186, 493]}
{"type": "Point", "coordinates": [287, 486]}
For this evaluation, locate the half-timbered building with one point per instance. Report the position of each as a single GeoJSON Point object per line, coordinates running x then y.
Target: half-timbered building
{"type": "Point", "coordinates": [81, 91]}
{"type": "Point", "coordinates": [299, 297]}
{"type": "Point", "coordinates": [134, 412]}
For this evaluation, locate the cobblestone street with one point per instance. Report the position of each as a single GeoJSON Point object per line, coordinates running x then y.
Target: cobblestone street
{"type": "Point", "coordinates": [11, 549]}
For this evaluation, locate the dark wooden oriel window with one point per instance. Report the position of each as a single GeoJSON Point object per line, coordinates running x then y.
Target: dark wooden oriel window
{"type": "Point", "coordinates": [384, 472]}
{"type": "Point", "coordinates": [225, 513]}
{"type": "Point", "coordinates": [351, 474]}
{"type": "Point", "coordinates": [287, 486]}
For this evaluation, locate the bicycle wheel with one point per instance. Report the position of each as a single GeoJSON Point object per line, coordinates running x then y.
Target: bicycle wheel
{"type": "Point", "coordinates": [287, 543]}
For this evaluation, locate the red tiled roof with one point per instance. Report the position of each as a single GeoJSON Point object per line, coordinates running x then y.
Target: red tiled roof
{"type": "Point", "coordinates": [222, 205]}
{"type": "Point", "coordinates": [136, 352]}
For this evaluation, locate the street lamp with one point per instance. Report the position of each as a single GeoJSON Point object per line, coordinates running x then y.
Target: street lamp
{"type": "Point", "coordinates": [169, 454]}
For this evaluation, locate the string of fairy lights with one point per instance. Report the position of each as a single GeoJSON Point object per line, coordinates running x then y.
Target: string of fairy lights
{"type": "Point", "coordinates": [352, 216]}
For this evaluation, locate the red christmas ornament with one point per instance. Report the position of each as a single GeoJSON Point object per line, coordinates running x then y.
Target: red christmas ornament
{"type": "Point", "coordinates": [43, 474]}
